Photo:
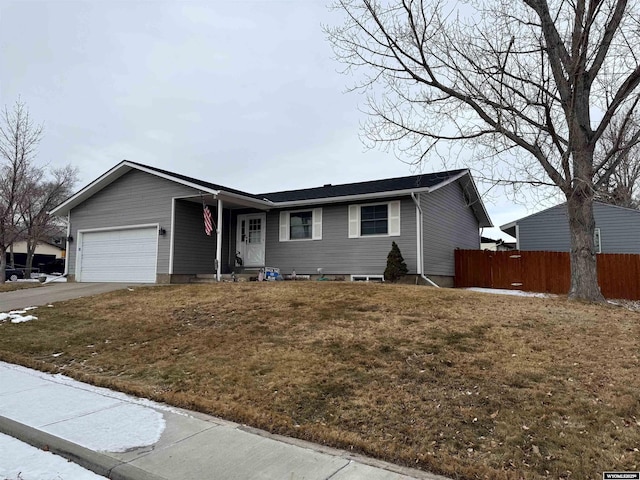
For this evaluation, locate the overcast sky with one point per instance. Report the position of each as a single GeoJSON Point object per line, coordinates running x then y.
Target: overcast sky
{"type": "Point", "coordinates": [245, 94]}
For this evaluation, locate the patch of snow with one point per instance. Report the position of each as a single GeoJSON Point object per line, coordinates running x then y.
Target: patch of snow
{"type": "Point", "coordinates": [21, 319]}
{"type": "Point", "coordinates": [122, 427]}
{"type": "Point", "coordinates": [17, 316]}
{"type": "Point", "coordinates": [94, 417]}
{"type": "Point", "coordinates": [519, 293]}
{"type": "Point", "coordinates": [21, 461]}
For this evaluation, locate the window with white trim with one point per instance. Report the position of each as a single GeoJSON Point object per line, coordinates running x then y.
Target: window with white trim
{"type": "Point", "coordinates": [301, 225]}
{"type": "Point", "coordinates": [378, 219]}
{"type": "Point", "coordinates": [596, 241]}
{"type": "Point", "coordinates": [374, 220]}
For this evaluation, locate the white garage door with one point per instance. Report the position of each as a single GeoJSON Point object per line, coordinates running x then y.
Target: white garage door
{"type": "Point", "coordinates": [118, 256]}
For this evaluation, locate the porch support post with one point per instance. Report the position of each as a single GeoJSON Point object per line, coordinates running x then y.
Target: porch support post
{"type": "Point", "coordinates": [219, 242]}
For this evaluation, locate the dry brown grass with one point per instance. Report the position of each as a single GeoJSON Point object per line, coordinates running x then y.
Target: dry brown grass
{"type": "Point", "coordinates": [465, 384]}
{"type": "Point", "coordinates": [11, 286]}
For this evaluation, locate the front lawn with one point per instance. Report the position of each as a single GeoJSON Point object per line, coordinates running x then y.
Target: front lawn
{"type": "Point", "coordinates": [460, 383]}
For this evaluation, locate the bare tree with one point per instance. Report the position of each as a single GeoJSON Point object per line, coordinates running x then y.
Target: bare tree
{"type": "Point", "coordinates": [622, 186]}
{"type": "Point", "coordinates": [19, 139]}
{"type": "Point", "coordinates": [533, 83]}
{"type": "Point", "coordinates": [39, 225]}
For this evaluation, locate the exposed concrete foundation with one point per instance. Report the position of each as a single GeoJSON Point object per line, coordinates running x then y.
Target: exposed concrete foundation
{"type": "Point", "coordinates": [180, 278]}
{"type": "Point", "coordinates": [163, 279]}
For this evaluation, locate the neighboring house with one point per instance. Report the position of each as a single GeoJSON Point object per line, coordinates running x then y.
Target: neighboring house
{"type": "Point", "coordinates": [617, 229]}
{"type": "Point", "coordinates": [138, 223]}
{"type": "Point", "coordinates": [45, 251]}
{"type": "Point", "coordinates": [496, 245]}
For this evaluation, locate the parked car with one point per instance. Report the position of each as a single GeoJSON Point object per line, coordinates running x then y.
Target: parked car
{"type": "Point", "coordinates": [13, 274]}
{"type": "Point", "coordinates": [56, 266]}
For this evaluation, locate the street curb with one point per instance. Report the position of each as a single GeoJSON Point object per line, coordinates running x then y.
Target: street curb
{"type": "Point", "coordinates": [98, 463]}
{"type": "Point", "coordinates": [344, 454]}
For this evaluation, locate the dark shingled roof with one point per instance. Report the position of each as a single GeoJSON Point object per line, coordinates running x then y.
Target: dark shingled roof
{"type": "Point", "coordinates": [426, 180]}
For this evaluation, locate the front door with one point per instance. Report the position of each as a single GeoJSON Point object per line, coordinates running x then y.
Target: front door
{"type": "Point", "coordinates": [250, 239]}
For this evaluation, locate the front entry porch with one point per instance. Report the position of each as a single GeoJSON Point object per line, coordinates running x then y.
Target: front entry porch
{"type": "Point", "coordinates": [237, 241]}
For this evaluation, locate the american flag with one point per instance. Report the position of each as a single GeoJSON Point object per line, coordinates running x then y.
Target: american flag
{"type": "Point", "coordinates": [208, 222]}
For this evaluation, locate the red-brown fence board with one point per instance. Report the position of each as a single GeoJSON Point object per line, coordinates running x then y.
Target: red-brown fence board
{"type": "Point", "coordinates": [506, 270]}
{"type": "Point", "coordinates": [549, 272]}
{"type": "Point", "coordinates": [473, 268]}
{"type": "Point", "coordinates": [619, 275]}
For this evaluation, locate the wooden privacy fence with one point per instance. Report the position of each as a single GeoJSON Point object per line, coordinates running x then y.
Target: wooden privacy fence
{"type": "Point", "coordinates": [548, 272]}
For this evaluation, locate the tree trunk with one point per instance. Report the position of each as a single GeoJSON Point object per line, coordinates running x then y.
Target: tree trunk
{"type": "Point", "coordinates": [3, 264]}
{"type": "Point", "coordinates": [584, 272]}
{"type": "Point", "coordinates": [31, 248]}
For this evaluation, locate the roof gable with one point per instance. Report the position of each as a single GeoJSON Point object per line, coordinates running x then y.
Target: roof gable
{"type": "Point", "coordinates": [126, 166]}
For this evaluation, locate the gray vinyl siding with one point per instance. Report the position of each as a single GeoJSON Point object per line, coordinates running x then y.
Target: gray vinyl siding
{"type": "Point", "coordinates": [193, 250]}
{"type": "Point", "coordinates": [136, 198]}
{"type": "Point", "coordinates": [336, 253]}
{"type": "Point", "coordinates": [448, 223]}
{"type": "Point", "coordinates": [549, 230]}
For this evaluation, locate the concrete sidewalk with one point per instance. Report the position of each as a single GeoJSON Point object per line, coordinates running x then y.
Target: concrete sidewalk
{"type": "Point", "coordinates": [127, 438]}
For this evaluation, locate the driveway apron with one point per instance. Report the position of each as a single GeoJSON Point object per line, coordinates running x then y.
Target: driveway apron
{"type": "Point", "coordinates": [54, 292]}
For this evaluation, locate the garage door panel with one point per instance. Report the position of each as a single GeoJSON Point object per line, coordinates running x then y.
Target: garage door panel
{"type": "Point", "coordinates": [128, 255]}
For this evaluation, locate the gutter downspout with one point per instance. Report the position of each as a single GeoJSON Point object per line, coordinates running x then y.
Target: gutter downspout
{"type": "Point", "coordinates": [66, 252]}
{"type": "Point", "coordinates": [420, 241]}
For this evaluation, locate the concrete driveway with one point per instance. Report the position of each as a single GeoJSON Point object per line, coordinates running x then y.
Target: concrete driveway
{"type": "Point", "coordinates": [54, 292]}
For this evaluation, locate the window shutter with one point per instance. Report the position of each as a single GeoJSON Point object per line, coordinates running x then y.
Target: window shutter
{"type": "Point", "coordinates": [354, 221]}
{"type": "Point", "coordinates": [394, 218]}
{"type": "Point", "coordinates": [317, 224]}
{"type": "Point", "coordinates": [284, 226]}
